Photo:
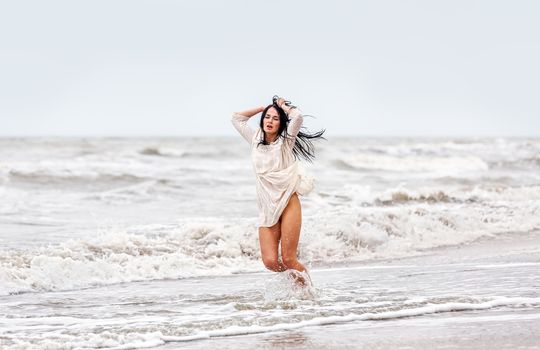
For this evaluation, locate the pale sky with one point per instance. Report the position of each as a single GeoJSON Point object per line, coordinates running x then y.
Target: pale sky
{"type": "Point", "coordinates": [363, 68]}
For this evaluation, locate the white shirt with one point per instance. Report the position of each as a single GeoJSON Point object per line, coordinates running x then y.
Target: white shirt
{"type": "Point", "coordinates": [278, 175]}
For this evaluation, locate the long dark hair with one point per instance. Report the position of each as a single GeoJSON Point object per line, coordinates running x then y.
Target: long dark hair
{"type": "Point", "coordinates": [303, 148]}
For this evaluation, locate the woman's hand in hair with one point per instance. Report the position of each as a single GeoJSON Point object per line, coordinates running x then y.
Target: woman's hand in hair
{"type": "Point", "coordinates": [280, 102]}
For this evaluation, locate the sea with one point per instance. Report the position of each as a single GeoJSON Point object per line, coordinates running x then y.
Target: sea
{"type": "Point", "coordinates": [126, 243]}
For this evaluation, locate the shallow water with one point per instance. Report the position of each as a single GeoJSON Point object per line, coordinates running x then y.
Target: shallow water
{"type": "Point", "coordinates": [124, 243]}
{"type": "Point", "coordinates": [153, 313]}
{"type": "Point", "coordinates": [87, 212]}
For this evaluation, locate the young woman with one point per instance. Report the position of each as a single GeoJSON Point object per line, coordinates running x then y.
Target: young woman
{"type": "Point", "coordinates": [275, 149]}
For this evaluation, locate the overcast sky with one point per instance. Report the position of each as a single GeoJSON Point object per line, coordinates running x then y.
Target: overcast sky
{"type": "Point", "coordinates": [363, 68]}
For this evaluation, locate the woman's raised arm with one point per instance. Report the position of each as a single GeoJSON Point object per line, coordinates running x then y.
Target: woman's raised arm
{"type": "Point", "coordinates": [295, 123]}
{"type": "Point", "coordinates": [239, 120]}
{"type": "Point", "coordinates": [296, 119]}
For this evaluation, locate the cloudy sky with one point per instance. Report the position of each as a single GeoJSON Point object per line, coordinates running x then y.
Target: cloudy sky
{"type": "Point", "coordinates": [362, 68]}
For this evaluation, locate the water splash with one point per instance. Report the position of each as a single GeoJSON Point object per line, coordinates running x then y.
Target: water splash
{"type": "Point", "coordinates": [290, 285]}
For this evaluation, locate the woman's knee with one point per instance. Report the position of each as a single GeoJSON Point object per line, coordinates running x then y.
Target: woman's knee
{"type": "Point", "coordinates": [290, 261]}
{"type": "Point", "coordinates": [271, 263]}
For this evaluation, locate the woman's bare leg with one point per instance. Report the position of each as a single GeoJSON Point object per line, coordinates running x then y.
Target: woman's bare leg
{"type": "Point", "coordinates": [269, 241]}
{"type": "Point", "coordinates": [291, 222]}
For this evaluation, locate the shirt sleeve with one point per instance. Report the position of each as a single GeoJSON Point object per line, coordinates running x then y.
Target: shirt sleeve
{"type": "Point", "coordinates": [240, 123]}
{"type": "Point", "coordinates": [294, 124]}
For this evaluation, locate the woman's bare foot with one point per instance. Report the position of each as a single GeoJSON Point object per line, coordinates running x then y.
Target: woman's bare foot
{"type": "Point", "coordinates": [300, 278]}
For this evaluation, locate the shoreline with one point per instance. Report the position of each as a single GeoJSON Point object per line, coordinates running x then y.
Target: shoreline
{"type": "Point", "coordinates": [475, 296]}
{"type": "Point", "coordinates": [501, 327]}
{"type": "Point", "coordinates": [440, 332]}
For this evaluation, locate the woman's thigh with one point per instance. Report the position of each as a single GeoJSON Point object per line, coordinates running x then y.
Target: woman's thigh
{"type": "Point", "coordinates": [291, 223]}
{"type": "Point", "coordinates": [269, 240]}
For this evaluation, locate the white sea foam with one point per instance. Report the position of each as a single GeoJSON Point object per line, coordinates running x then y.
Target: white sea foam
{"type": "Point", "coordinates": [155, 335]}
{"type": "Point", "coordinates": [478, 193]}
{"type": "Point", "coordinates": [318, 321]}
{"type": "Point", "coordinates": [123, 257]}
{"type": "Point", "coordinates": [219, 247]}
{"type": "Point", "coordinates": [105, 339]}
{"type": "Point", "coordinates": [446, 165]}
{"type": "Point", "coordinates": [288, 286]}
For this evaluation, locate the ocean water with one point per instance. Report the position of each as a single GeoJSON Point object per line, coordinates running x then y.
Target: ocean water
{"type": "Point", "coordinates": [138, 242]}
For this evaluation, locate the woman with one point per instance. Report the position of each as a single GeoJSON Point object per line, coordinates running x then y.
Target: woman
{"type": "Point", "coordinates": [275, 149]}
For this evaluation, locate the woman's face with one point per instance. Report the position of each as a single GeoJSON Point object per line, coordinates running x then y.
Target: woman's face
{"type": "Point", "coordinates": [271, 121]}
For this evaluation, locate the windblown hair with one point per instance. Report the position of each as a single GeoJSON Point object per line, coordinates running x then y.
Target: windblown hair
{"type": "Point", "coordinates": [303, 147]}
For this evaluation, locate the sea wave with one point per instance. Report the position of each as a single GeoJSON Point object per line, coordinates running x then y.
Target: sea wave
{"type": "Point", "coordinates": [191, 153]}
{"type": "Point", "coordinates": [480, 194]}
{"type": "Point", "coordinates": [333, 235]}
{"type": "Point", "coordinates": [162, 151]}
{"type": "Point", "coordinates": [50, 178]}
{"type": "Point", "coordinates": [359, 195]}
{"type": "Point", "coordinates": [430, 308]}
{"type": "Point", "coordinates": [452, 164]}
{"type": "Point", "coordinates": [137, 332]}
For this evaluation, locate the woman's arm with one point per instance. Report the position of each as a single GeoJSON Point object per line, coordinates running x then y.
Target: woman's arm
{"type": "Point", "coordinates": [296, 118]}
{"type": "Point", "coordinates": [251, 112]}
{"type": "Point", "coordinates": [296, 121]}
{"type": "Point", "coordinates": [239, 120]}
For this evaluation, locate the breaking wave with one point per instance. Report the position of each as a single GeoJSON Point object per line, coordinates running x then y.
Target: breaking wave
{"type": "Point", "coordinates": [173, 152]}
{"type": "Point", "coordinates": [411, 163]}
{"type": "Point", "coordinates": [336, 235]}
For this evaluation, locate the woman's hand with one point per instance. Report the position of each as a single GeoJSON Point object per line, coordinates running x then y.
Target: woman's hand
{"type": "Point", "coordinates": [279, 101]}
{"type": "Point", "coordinates": [284, 104]}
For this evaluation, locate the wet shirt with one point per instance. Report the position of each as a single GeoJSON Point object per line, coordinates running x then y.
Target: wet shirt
{"type": "Point", "coordinates": [278, 175]}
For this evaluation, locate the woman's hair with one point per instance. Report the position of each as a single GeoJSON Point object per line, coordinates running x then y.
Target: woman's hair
{"type": "Point", "coordinates": [303, 148]}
